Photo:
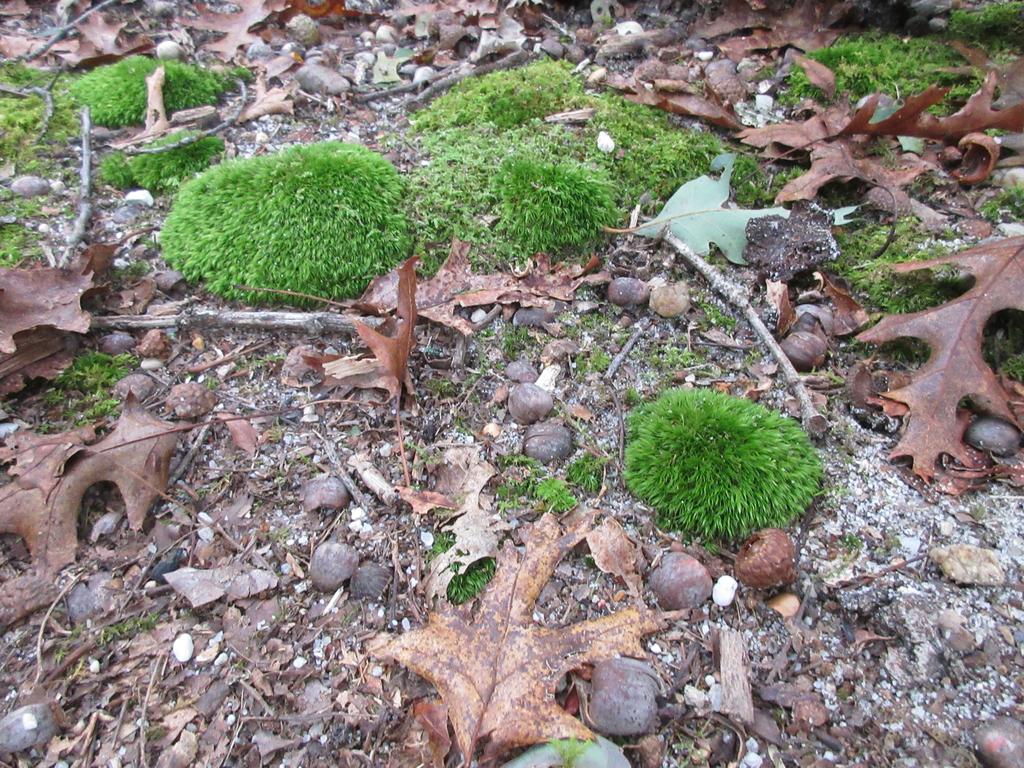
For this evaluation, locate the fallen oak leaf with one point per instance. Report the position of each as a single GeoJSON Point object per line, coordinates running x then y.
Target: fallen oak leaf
{"type": "Point", "coordinates": [53, 472]}
{"type": "Point", "coordinates": [615, 553]}
{"type": "Point", "coordinates": [424, 501]}
{"type": "Point", "coordinates": [393, 351]}
{"type": "Point", "coordinates": [818, 75]}
{"type": "Point", "coordinates": [498, 672]}
{"type": "Point", "coordinates": [956, 368]}
{"type": "Point", "coordinates": [203, 586]}
{"type": "Point", "coordinates": [235, 26]}
{"type": "Point", "coordinates": [32, 298]}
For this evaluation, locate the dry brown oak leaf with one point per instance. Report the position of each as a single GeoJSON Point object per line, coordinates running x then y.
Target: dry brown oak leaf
{"type": "Point", "coordinates": [52, 472]}
{"type": "Point", "coordinates": [235, 26]}
{"type": "Point", "coordinates": [497, 672]}
{"type": "Point", "coordinates": [955, 369]}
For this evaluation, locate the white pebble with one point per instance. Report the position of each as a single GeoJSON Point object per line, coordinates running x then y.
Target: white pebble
{"type": "Point", "coordinates": [221, 660]}
{"type": "Point", "coordinates": [94, 666]}
{"type": "Point", "coordinates": [724, 591]}
{"type": "Point", "coordinates": [751, 760]}
{"type": "Point", "coordinates": [763, 102]}
{"type": "Point", "coordinates": [151, 364]}
{"type": "Point", "coordinates": [605, 143]}
{"type": "Point", "coordinates": [183, 647]}
{"type": "Point", "coordinates": [406, 625]}
{"type": "Point", "coordinates": [705, 55]}
{"type": "Point", "coordinates": [205, 533]}
{"type": "Point", "coordinates": [29, 721]}
{"type": "Point", "coordinates": [423, 75]}
{"type": "Point", "coordinates": [427, 538]}
{"type": "Point", "coordinates": [629, 28]}
{"type": "Point", "coordinates": [140, 196]}
{"type": "Point", "coordinates": [169, 50]}
{"type": "Point", "coordinates": [299, 662]}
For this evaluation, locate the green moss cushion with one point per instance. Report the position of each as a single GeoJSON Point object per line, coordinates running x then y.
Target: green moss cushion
{"type": "Point", "coordinates": [321, 219]}
{"type": "Point", "coordinates": [717, 466]}
{"type": "Point", "coordinates": [163, 171]}
{"type": "Point", "coordinates": [116, 93]}
{"type": "Point", "coordinates": [550, 206]}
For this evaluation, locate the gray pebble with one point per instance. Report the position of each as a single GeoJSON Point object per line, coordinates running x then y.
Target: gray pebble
{"type": "Point", "coordinates": [303, 30]}
{"type": "Point", "coordinates": [671, 300]}
{"type": "Point", "coordinates": [627, 291]}
{"type": "Point", "coordinates": [30, 726]}
{"type": "Point", "coordinates": [258, 50]}
{"type": "Point", "coordinates": [168, 279]}
{"type": "Point", "coordinates": [528, 403]}
{"type": "Point", "coordinates": [1000, 743]}
{"type": "Point", "coordinates": [423, 75]}
{"type": "Point", "coordinates": [547, 442]}
{"type": "Point", "coordinates": [369, 581]}
{"type": "Point", "coordinates": [522, 372]}
{"type": "Point", "coordinates": [987, 433]}
{"type": "Point", "coordinates": [533, 316]}
{"type": "Point", "coordinates": [92, 598]}
{"type": "Point", "coordinates": [324, 492]}
{"type": "Point", "coordinates": [117, 343]}
{"type": "Point", "coordinates": [332, 565]}
{"type": "Point", "coordinates": [30, 186]}
{"type": "Point", "coordinates": [316, 78]}
{"type": "Point", "coordinates": [624, 699]}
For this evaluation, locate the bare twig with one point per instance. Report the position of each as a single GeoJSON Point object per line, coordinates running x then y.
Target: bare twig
{"type": "Point", "coordinates": [243, 350]}
{"type": "Point", "coordinates": [438, 87]}
{"type": "Point", "coordinates": [371, 476]}
{"type": "Point", "coordinates": [362, 98]}
{"type": "Point", "coordinates": [194, 137]}
{"type": "Point", "coordinates": [641, 329]}
{"type": "Point", "coordinates": [61, 33]}
{"type": "Point", "coordinates": [310, 323]}
{"type": "Point", "coordinates": [84, 193]}
{"type": "Point", "coordinates": [158, 669]}
{"type": "Point", "coordinates": [813, 421]}
{"type": "Point", "coordinates": [188, 458]}
{"type": "Point", "coordinates": [42, 627]}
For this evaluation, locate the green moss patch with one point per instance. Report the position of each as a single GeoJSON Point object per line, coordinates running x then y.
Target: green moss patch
{"type": "Point", "coordinates": [878, 287]}
{"type": "Point", "coordinates": [466, 583]}
{"type": "Point", "coordinates": [719, 467]}
{"type": "Point", "coordinates": [997, 25]}
{"type": "Point", "coordinates": [551, 206]}
{"type": "Point", "coordinates": [116, 93]}
{"type": "Point", "coordinates": [163, 171]}
{"type": "Point", "coordinates": [321, 219]}
{"type": "Point", "coordinates": [465, 139]}
{"type": "Point", "coordinates": [1007, 205]}
{"type": "Point", "coordinates": [889, 64]}
{"type": "Point", "coordinates": [83, 390]}
{"type": "Point", "coordinates": [22, 118]}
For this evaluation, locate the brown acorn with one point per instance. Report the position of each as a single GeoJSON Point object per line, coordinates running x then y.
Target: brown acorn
{"type": "Point", "coordinates": [766, 560]}
{"type": "Point", "coordinates": [805, 350]}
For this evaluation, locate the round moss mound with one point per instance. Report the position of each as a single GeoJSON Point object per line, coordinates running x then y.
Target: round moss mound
{"type": "Point", "coordinates": [321, 219]}
{"type": "Point", "coordinates": [116, 93]}
{"type": "Point", "coordinates": [163, 171]}
{"type": "Point", "coordinates": [719, 467]}
{"type": "Point", "coordinates": [551, 206]}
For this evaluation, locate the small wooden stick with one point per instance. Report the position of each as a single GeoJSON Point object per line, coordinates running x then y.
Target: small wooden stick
{"type": "Point", "coordinates": [734, 668]}
{"type": "Point", "coordinates": [372, 477]}
{"type": "Point", "coordinates": [84, 194]}
{"type": "Point", "coordinates": [641, 329]}
{"type": "Point", "coordinates": [310, 323]}
{"type": "Point", "coordinates": [813, 422]}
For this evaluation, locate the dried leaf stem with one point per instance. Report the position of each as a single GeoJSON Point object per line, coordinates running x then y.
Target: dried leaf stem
{"type": "Point", "coordinates": [812, 421]}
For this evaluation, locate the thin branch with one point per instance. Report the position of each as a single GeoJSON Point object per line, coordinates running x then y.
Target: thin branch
{"type": "Point", "coordinates": [438, 87]}
{"type": "Point", "coordinates": [61, 33]}
{"type": "Point", "coordinates": [311, 323]}
{"type": "Point", "coordinates": [363, 98]}
{"type": "Point", "coordinates": [84, 194]}
{"type": "Point", "coordinates": [193, 138]}
{"type": "Point", "coordinates": [641, 329]}
{"type": "Point", "coordinates": [813, 421]}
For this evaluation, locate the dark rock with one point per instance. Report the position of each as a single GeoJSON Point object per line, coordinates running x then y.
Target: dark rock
{"type": "Point", "coordinates": [547, 442]}
{"type": "Point", "coordinates": [722, 79]}
{"type": "Point", "coordinates": [138, 384]}
{"type": "Point", "coordinates": [528, 403]}
{"type": "Point", "coordinates": [575, 53]}
{"type": "Point", "coordinates": [680, 582]}
{"type": "Point", "coordinates": [522, 372]}
{"type": "Point", "coordinates": [92, 598]}
{"type": "Point", "coordinates": [624, 699]}
{"type": "Point", "coordinates": [332, 565]}
{"type": "Point", "coordinates": [116, 343]}
{"type": "Point", "coordinates": [316, 78]}
{"type": "Point", "coordinates": [987, 433]}
{"type": "Point", "coordinates": [369, 581]}
{"type": "Point", "coordinates": [533, 316]}
{"type": "Point", "coordinates": [211, 699]}
{"type": "Point", "coordinates": [190, 400]}
{"type": "Point", "coordinates": [168, 279]}
{"type": "Point", "coordinates": [154, 344]}
{"type": "Point", "coordinates": [1000, 743]}
{"type": "Point", "coordinates": [552, 48]}
{"type": "Point", "coordinates": [30, 726]}
{"type": "Point", "coordinates": [628, 292]}
{"type": "Point", "coordinates": [651, 70]}
{"type": "Point", "coordinates": [30, 186]}
{"type": "Point", "coordinates": [324, 492]}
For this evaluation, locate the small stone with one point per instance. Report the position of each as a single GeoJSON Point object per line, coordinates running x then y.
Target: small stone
{"type": "Point", "coordinates": [168, 50]}
{"type": "Point", "coordinates": [190, 400]}
{"type": "Point", "coordinates": [722, 79]}
{"type": "Point", "coordinates": [478, 316]}
{"type": "Point", "coordinates": [116, 343]}
{"type": "Point", "coordinates": [140, 197]}
{"type": "Point", "coordinates": [1010, 229]}
{"type": "Point", "coordinates": [25, 727]}
{"type": "Point", "coordinates": [1011, 177]}
{"type": "Point", "coordinates": [30, 186]}
{"type": "Point", "coordinates": [680, 582]}
{"type": "Point", "coordinates": [786, 604]}
{"type": "Point", "coordinates": [386, 34]}
{"type": "Point", "coordinates": [605, 143]}
{"type": "Point", "coordinates": [369, 581]}
{"type": "Point", "coordinates": [704, 55]}
{"type": "Point", "coordinates": [628, 28]}
{"type": "Point", "coordinates": [332, 565]}
{"type": "Point", "coordinates": [533, 316]}
{"type": "Point", "coordinates": [724, 591]}
{"type": "Point", "coordinates": [324, 492]}
{"type": "Point", "coordinates": [956, 635]}
{"type": "Point", "coordinates": [316, 78]}
{"type": "Point", "coordinates": [987, 433]}
{"type": "Point", "coordinates": [552, 48]}
{"type": "Point", "coordinates": [521, 371]}
{"type": "Point", "coordinates": [557, 350]}
{"type": "Point", "coordinates": [183, 648]}
{"type": "Point", "coordinates": [671, 299]}
{"type": "Point", "coordinates": [547, 442]}
{"type": "Point", "coordinates": [628, 291]}
{"type": "Point", "coordinates": [58, 187]}
{"type": "Point", "coordinates": [1000, 743]}
{"type": "Point", "coordinates": [597, 76]}
{"type": "Point", "coordinates": [650, 70]}
{"type": "Point", "coordinates": [151, 364]}
{"type": "Point", "coordinates": [423, 75]}
{"type": "Point", "coordinates": [528, 403]}
{"type": "Point", "coordinates": [303, 30]}
{"type": "Point", "coordinates": [126, 214]}
{"type": "Point", "coordinates": [967, 564]}
{"type": "Point", "coordinates": [624, 698]}
{"type": "Point", "coordinates": [258, 50]}
{"type": "Point", "coordinates": [694, 697]}
{"type": "Point", "coordinates": [154, 344]}
{"type": "Point", "coordinates": [139, 385]}
{"type": "Point", "coordinates": [764, 103]}
{"type": "Point", "coordinates": [168, 279]}
{"type": "Point", "coordinates": [91, 598]}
